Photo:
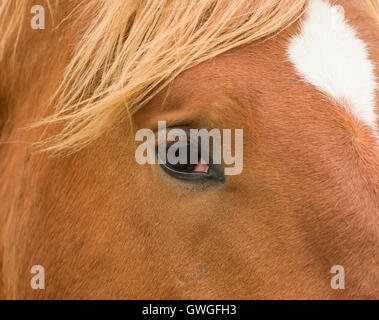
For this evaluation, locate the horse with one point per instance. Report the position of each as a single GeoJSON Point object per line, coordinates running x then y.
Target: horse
{"type": "Point", "coordinates": [298, 77]}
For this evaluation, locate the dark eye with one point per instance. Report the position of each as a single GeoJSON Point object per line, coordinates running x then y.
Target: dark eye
{"type": "Point", "coordinates": [183, 160]}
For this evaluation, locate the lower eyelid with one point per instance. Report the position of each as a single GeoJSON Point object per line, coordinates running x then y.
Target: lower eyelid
{"type": "Point", "coordinates": [201, 168]}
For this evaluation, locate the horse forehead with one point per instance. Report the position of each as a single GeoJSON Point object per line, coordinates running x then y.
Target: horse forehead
{"type": "Point", "coordinates": [329, 53]}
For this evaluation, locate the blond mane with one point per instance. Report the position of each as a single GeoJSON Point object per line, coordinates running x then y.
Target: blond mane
{"type": "Point", "coordinates": [135, 48]}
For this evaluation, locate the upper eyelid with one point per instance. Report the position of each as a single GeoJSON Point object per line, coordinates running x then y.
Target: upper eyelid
{"type": "Point", "coordinates": [184, 128]}
{"type": "Point", "coordinates": [157, 142]}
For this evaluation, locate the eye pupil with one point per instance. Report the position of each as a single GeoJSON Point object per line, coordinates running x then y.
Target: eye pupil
{"type": "Point", "coordinates": [186, 165]}
{"type": "Point", "coordinates": [183, 160]}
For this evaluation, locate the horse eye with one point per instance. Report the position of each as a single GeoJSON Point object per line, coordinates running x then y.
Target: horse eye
{"type": "Point", "coordinates": [182, 160]}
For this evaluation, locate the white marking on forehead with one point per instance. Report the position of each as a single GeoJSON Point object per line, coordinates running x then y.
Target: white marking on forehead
{"type": "Point", "coordinates": [328, 54]}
